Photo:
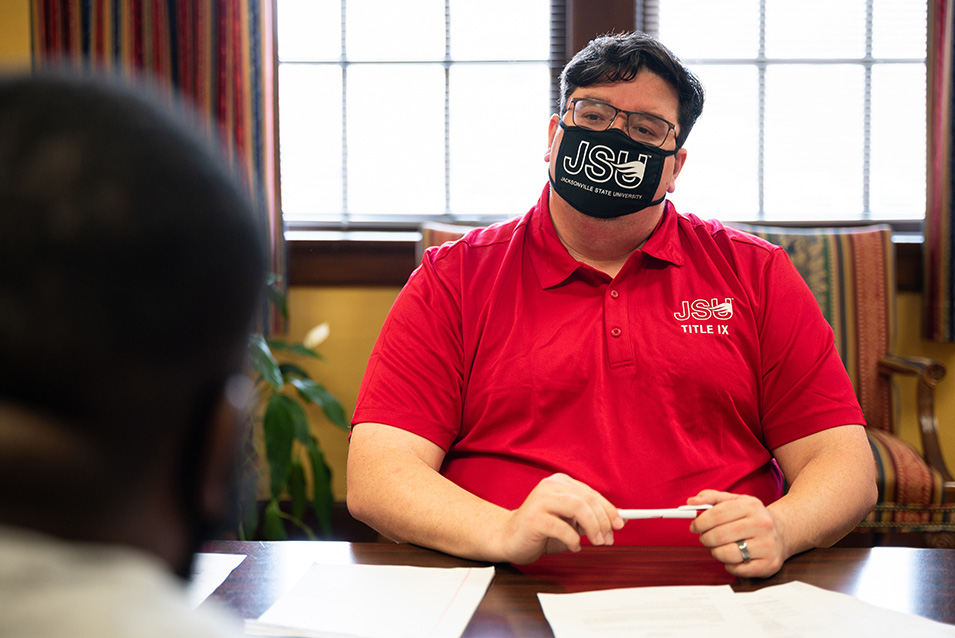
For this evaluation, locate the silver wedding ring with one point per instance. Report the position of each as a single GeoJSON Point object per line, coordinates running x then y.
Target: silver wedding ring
{"type": "Point", "coordinates": [744, 551]}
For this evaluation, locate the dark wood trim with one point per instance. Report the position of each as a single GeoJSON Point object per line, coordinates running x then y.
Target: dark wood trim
{"type": "Point", "coordinates": [584, 23]}
{"type": "Point", "coordinates": [908, 266]}
{"type": "Point", "coordinates": [352, 261]}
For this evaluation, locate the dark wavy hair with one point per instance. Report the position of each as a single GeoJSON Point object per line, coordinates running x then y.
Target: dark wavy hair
{"type": "Point", "coordinates": [619, 57]}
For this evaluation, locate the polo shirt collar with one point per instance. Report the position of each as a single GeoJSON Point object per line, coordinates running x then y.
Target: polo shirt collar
{"type": "Point", "coordinates": [553, 263]}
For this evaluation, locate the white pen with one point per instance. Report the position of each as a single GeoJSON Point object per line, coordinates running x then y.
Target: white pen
{"type": "Point", "coordinates": [684, 511]}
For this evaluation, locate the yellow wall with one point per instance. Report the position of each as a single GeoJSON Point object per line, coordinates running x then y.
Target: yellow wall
{"type": "Point", "coordinates": [910, 343]}
{"type": "Point", "coordinates": [14, 34]}
{"type": "Point", "coordinates": [355, 316]}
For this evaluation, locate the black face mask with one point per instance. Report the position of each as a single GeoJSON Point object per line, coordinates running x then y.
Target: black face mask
{"type": "Point", "coordinates": [606, 174]}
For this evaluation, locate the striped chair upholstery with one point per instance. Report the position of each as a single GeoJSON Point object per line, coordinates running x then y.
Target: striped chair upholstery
{"type": "Point", "coordinates": [851, 272]}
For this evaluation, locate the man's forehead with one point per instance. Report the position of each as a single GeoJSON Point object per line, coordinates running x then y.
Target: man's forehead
{"type": "Point", "coordinates": [647, 92]}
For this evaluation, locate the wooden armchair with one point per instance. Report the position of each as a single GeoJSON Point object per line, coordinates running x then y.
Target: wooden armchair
{"type": "Point", "coordinates": [851, 271]}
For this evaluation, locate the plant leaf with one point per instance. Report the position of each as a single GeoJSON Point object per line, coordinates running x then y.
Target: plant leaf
{"type": "Point", "coordinates": [273, 529]}
{"type": "Point", "coordinates": [296, 488]}
{"type": "Point", "coordinates": [297, 348]}
{"type": "Point", "coordinates": [300, 427]}
{"type": "Point", "coordinates": [264, 361]}
{"type": "Point", "coordinates": [317, 394]}
{"type": "Point", "coordinates": [275, 294]}
{"type": "Point", "coordinates": [278, 429]}
{"type": "Point", "coordinates": [292, 370]}
{"type": "Point", "coordinates": [322, 499]}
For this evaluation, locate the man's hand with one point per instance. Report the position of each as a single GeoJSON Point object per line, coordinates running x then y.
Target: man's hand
{"type": "Point", "coordinates": [735, 518]}
{"type": "Point", "coordinates": [553, 517]}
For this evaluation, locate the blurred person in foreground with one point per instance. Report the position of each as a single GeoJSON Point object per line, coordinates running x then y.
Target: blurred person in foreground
{"type": "Point", "coordinates": [604, 351]}
{"type": "Point", "coordinates": [130, 272]}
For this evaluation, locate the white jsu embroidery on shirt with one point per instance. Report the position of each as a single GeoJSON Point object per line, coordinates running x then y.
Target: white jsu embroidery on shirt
{"type": "Point", "coordinates": [704, 310]}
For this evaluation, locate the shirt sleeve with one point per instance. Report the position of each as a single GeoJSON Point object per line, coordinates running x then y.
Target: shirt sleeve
{"type": "Point", "coordinates": [414, 379]}
{"type": "Point", "coordinates": [805, 386]}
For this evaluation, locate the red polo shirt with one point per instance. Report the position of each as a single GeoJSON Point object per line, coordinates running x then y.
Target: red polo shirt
{"type": "Point", "coordinates": [683, 372]}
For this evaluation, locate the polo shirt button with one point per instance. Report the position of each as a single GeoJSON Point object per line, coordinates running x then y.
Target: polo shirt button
{"type": "Point", "coordinates": [616, 332]}
{"type": "Point", "coordinates": [614, 294]}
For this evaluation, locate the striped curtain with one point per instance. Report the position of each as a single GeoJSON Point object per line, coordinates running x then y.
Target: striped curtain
{"type": "Point", "coordinates": [220, 54]}
{"type": "Point", "coordinates": [939, 277]}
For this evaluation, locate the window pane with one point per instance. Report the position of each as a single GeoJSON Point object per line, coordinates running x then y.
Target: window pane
{"type": "Point", "coordinates": [897, 167]}
{"type": "Point", "coordinates": [498, 143]}
{"type": "Point", "coordinates": [720, 177]}
{"type": "Point", "coordinates": [813, 142]}
{"type": "Point", "coordinates": [395, 139]}
{"type": "Point", "coordinates": [688, 28]}
{"type": "Point", "coordinates": [500, 30]}
{"type": "Point", "coordinates": [309, 29]}
{"type": "Point", "coordinates": [389, 30]}
{"type": "Point", "coordinates": [898, 28]}
{"type": "Point", "coordinates": [815, 29]}
{"type": "Point", "coordinates": [310, 140]}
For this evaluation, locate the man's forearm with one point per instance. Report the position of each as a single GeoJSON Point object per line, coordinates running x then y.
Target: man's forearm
{"type": "Point", "coordinates": [405, 499]}
{"type": "Point", "coordinates": [831, 494]}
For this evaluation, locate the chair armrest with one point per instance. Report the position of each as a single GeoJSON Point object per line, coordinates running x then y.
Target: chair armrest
{"type": "Point", "coordinates": [928, 372]}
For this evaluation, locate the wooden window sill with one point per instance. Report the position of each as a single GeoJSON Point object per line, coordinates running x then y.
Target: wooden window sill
{"type": "Point", "coordinates": [325, 258]}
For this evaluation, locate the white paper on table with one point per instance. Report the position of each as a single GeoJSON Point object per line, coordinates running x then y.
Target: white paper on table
{"type": "Point", "coordinates": [796, 610]}
{"type": "Point", "coordinates": [663, 612]}
{"type": "Point", "coordinates": [791, 610]}
{"type": "Point", "coordinates": [377, 601]}
{"type": "Point", "coordinates": [209, 570]}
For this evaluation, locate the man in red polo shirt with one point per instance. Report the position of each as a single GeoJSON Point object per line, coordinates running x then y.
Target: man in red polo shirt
{"type": "Point", "coordinates": [605, 351]}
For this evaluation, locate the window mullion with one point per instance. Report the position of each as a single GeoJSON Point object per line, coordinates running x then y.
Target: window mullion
{"type": "Point", "coordinates": [867, 113]}
{"type": "Point", "coordinates": [558, 48]}
{"type": "Point", "coordinates": [447, 107]}
{"type": "Point", "coordinates": [648, 16]}
{"type": "Point", "coordinates": [343, 61]}
{"type": "Point", "coordinates": [761, 114]}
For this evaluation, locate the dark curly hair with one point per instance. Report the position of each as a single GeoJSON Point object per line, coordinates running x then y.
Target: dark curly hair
{"type": "Point", "coordinates": [619, 57]}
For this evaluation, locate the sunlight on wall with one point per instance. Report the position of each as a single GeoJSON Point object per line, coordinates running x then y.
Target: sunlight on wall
{"type": "Point", "coordinates": [910, 343]}
{"type": "Point", "coordinates": [14, 34]}
{"type": "Point", "coordinates": [355, 317]}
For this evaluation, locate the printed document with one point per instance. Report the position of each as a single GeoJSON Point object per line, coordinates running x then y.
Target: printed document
{"type": "Point", "coordinates": [792, 610]}
{"type": "Point", "coordinates": [376, 601]}
{"type": "Point", "coordinates": [661, 612]}
{"type": "Point", "coordinates": [209, 570]}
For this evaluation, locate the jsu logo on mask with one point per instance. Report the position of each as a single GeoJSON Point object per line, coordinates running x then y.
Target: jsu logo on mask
{"type": "Point", "coordinates": [599, 165]}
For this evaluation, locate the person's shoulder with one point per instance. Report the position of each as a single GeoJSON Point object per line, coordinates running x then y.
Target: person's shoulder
{"type": "Point", "coordinates": [736, 235]}
{"type": "Point", "coordinates": [478, 242]}
{"type": "Point", "coordinates": [97, 589]}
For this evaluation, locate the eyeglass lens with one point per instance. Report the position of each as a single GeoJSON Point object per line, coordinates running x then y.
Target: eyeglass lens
{"type": "Point", "coordinates": [642, 127]}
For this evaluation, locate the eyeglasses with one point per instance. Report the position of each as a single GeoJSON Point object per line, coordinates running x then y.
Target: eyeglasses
{"type": "Point", "coordinates": [599, 116]}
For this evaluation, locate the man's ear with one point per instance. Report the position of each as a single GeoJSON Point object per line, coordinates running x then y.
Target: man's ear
{"type": "Point", "coordinates": [551, 133]}
{"type": "Point", "coordinates": [678, 160]}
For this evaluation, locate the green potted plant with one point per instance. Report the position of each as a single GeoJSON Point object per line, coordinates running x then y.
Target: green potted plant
{"type": "Point", "coordinates": [291, 452]}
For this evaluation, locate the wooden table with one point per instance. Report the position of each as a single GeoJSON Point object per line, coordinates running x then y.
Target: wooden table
{"type": "Point", "coordinates": [918, 581]}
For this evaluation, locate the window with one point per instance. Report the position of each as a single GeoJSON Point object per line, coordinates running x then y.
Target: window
{"type": "Point", "coordinates": [394, 112]}
{"type": "Point", "coordinates": [815, 109]}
